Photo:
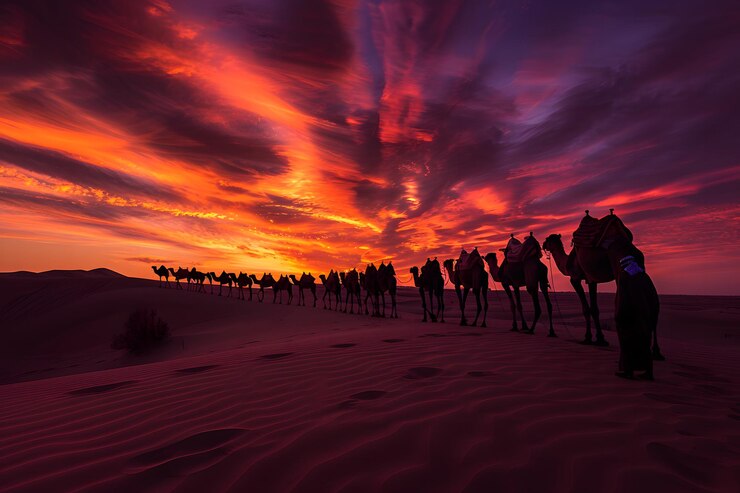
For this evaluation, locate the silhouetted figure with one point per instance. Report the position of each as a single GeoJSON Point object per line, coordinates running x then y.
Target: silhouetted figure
{"type": "Point", "coordinates": [180, 274]}
{"type": "Point", "coordinates": [372, 289]}
{"type": "Point", "coordinates": [198, 279]}
{"type": "Point", "coordinates": [522, 267]}
{"type": "Point", "coordinates": [162, 272]}
{"type": "Point", "coordinates": [332, 287]}
{"type": "Point", "coordinates": [636, 311]}
{"type": "Point", "coordinates": [241, 281]}
{"type": "Point", "coordinates": [223, 279]}
{"type": "Point", "coordinates": [267, 281]}
{"type": "Point", "coordinates": [387, 282]}
{"type": "Point", "coordinates": [282, 284]}
{"type": "Point", "coordinates": [351, 283]}
{"type": "Point", "coordinates": [431, 282]}
{"type": "Point", "coordinates": [307, 281]}
{"type": "Point", "coordinates": [469, 273]}
{"type": "Point", "coordinates": [567, 264]}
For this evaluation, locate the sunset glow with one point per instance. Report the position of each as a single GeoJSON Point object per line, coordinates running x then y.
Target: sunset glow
{"type": "Point", "coordinates": [292, 136]}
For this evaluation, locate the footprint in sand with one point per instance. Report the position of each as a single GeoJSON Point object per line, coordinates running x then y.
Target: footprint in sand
{"type": "Point", "coordinates": [346, 345]}
{"type": "Point", "coordinates": [195, 369]}
{"type": "Point", "coordinates": [480, 373]}
{"type": "Point", "coordinates": [99, 389]}
{"type": "Point", "coordinates": [422, 372]}
{"type": "Point", "coordinates": [393, 340]}
{"type": "Point", "coordinates": [369, 395]}
{"type": "Point", "coordinates": [433, 334]}
{"type": "Point", "coordinates": [472, 334]}
{"type": "Point", "coordinates": [275, 355]}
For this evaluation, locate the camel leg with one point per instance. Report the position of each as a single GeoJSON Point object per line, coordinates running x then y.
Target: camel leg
{"type": "Point", "coordinates": [461, 301]}
{"type": "Point", "coordinates": [593, 295]}
{"type": "Point", "coordinates": [313, 291]}
{"type": "Point", "coordinates": [520, 308]}
{"type": "Point", "coordinates": [509, 294]}
{"type": "Point", "coordinates": [548, 303]}
{"type": "Point", "coordinates": [478, 305]}
{"type": "Point", "coordinates": [534, 293]}
{"type": "Point", "coordinates": [578, 287]}
{"type": "Point", "coordinates": [394, 307]}
{"type": "Point", "coordinates": [485, 306]}
{"type": "Point", "coordinates": [250, 292]}
{"type": "Point", "coordinates": [423, 304]}
{"type": "Point", "coordinates": [441, 305]}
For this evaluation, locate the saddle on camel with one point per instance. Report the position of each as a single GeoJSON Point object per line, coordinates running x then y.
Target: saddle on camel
{"type": "Point", "coordinates": [516, 251]}
{"type": "Point", "coordinates": [600, 233]}
{"type": "Point", "coordinates": [468, 261]}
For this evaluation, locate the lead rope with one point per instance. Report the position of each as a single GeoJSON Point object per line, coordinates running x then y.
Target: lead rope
{"type": "Point", "coordinates": [557, 305]}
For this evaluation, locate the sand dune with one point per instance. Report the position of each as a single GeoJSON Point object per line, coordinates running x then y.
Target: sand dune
{"type": "Point", "coordinates": [258, 397]}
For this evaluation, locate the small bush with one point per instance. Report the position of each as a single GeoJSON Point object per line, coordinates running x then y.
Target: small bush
{"type": "Point", "coordinates": [144, 330]}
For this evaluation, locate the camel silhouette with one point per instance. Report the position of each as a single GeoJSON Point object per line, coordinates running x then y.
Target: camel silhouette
{"type": "Point", "coordinates": [198, 279]}
{"type": "Point", "coordinates": [267, 281]}
{"type": "Point", "coordinates": [387, 282]}
{"type": "Point", "coordinates": [351, 283]}
{"type": "Point", "coordinates": [372, 289]}
{"type": "Point", "coordinates": [528, 271]}
{"type": "Point", "coordinates": [567, 264]}
{"type": "Point", "coordinates": [474, 278]}
{"type": "Point", "coordinates": [430, 281]}
{"type": "Point", "coordinates": [162, 272]}
{"type": "Point", "coordinates": [240, 282]}
{"type": "Point", "coordinates": [593, 258]}
{"type": "Point", "coordinates": [307, 281]}
{"type": "Point", "coordinates": [180, 274]}
{"type": "Point", "coordinates": [282, 284]}
{"type": "Point", "coordinates": [332, 287]}
{"type": "Point", "coordinates": [222, 279]}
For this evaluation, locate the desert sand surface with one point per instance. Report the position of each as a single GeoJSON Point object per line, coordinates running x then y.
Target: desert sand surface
{"type": "Point", "coordinates": [262, 397]}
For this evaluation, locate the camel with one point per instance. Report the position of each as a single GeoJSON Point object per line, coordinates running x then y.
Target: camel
{"type": "Point", "coordinates": [198, 279]}
{"type": "Point", "coordinates": [465, 279]}
{"type": "Point", "coordinates": [529, 272]}
{"type": "Point", "coordinates": [567, 264]}
{"type": "Point", "coordinates": [387, 282]}
{"type": "Point", "coordinates": [240, 282]}
{"type": "Point", "coordinates": [282, 284]}
{"type": "Point", "coordinates": [333, 287]}
{"type": "Point", "coordinates": [222, 279]}
{"type": "Point", "coordinates": [307, 281]}
{"type": "Point", "coordinates": [431, 282]}
{"type": "Point", "coordinates": [351, 283]}
{"type": "Point", "coordinates": [372, 289]}
{"type": "Point", "coordinates": [592, 242]}
{"type": "Point", "coordinates": [180, 274]}
{"type": "Point", "coordinates": [162, 272]}
{"type": "Point", "coordinates": [267, 281]}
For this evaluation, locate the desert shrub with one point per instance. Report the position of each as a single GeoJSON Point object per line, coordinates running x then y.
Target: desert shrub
{"type": "Point", "coordinates": [144, 330]}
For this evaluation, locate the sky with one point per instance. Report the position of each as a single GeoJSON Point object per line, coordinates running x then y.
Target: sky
{"type": "Point", "coordinates": [290, 136]}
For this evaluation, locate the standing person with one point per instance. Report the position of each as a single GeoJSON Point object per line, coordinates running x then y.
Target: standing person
{"type": "Point", "coordinates": [636, 310]}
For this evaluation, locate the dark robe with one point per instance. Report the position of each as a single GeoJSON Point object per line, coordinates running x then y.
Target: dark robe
{"type": "Point", "coordinates": [636, 316]}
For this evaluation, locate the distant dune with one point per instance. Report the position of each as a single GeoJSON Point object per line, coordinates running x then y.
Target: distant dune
{"type": "Point", "coordinates": [263, 397]}
{"type": "Point", "coordinates": [63, 274]}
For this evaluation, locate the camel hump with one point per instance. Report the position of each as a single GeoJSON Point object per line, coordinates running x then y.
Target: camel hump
{"type": "Point", "coordinates": [470, 260]}
{"type": "Point", "coordinates": [595, 233]}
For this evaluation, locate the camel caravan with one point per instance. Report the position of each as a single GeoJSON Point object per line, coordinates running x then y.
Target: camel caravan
{"type": "Point", "coordinates": [602, 251]}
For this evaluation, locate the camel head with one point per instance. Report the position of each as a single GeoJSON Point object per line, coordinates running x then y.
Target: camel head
{"type": "Point", "coordinates": [553, 242]}
{"type": "Point", "coordinates": [449, 263]}
{"type": "Point", "coordinates": [390, 269]}
{"type": "Point", "coordinates": [491, 259]}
